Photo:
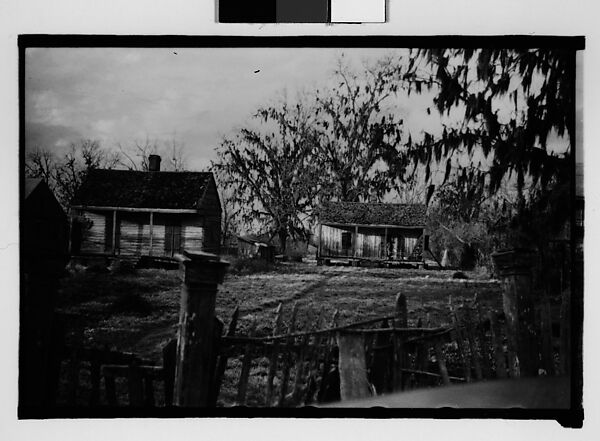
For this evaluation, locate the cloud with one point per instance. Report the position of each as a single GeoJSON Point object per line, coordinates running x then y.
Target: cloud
{"type": "Point", "coordinates": [118, 95]}
{"type": "Point", "coordinates": [55, 138]}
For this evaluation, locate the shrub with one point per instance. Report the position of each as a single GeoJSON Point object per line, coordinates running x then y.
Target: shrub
{"type": "Point", "coordinates": [251, 266]}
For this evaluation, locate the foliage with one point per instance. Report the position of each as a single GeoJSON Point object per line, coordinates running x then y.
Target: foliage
{"type": "Point", "coordinates": [507, 105]}
{"type": "Point", "coordinates": [356, 133]}
{"type": "Point", "coordinates": [250, 265]}
{"type": "Point", "coordinates": [270, 170]}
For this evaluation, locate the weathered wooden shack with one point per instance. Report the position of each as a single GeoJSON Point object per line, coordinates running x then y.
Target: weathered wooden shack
{"type": "Point", "coordinates": [356, 231]}
{"type": "Point", "coordinates": [154, 213]}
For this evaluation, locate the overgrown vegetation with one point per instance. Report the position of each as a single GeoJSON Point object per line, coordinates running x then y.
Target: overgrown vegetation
{"type": "Point", "coordinates": [496, 171]}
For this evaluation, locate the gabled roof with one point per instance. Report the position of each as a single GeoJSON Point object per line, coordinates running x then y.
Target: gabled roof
{"type": "Point", "coordinates": [30, 185]}
{"type": "Point", "coordinates": [358, 213]}
{"type": "Point", "coordinates": [136, 189]}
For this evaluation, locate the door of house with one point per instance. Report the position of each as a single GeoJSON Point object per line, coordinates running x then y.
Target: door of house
{"type": "Point", "coordinates": [172, 239]}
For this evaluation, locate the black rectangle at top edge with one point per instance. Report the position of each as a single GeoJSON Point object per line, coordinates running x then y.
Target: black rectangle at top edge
{"type": "Point", "coordinates": [247, 11]}
{"type": "Point", "coordinates": [382, 41]}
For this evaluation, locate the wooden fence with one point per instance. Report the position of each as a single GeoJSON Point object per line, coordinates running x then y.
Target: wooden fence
{"type": "Point", "coordinates": [322, 361]}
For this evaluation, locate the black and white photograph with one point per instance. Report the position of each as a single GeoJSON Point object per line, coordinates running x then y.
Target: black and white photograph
{"type": "Point", "coordinates": [301, 226]}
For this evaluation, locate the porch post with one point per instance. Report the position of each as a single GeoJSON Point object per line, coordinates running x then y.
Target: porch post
{"type": "Point", "coordinates": [151, 227]}
{"type": "Point", "coordinates": [354, 240]}
{"type": "Point", "coordinates": [319, 249]}
{"type": "Point", "coordinates": [114, 235]}
{"type": "Point", "coordinates": [385, 247]}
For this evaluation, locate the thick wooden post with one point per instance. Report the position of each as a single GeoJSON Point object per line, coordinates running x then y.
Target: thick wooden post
{"type": "Point", "coordinates": [353, 366]}
{"type": "Point", "coordinates": [201, 273]}
{"type": "Point", "coordinates": [399, 360]}
{"type": "Point", "coordinates": [354, 239]}
{"type": "Point", "coordinates": [515, 269]}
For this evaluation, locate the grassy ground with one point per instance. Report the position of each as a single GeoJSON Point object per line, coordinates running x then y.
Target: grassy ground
{"type": "Point", "coordinates": [139, 312]}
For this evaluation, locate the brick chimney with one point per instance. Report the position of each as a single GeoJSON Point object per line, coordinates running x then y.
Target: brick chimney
{"type": "Point", "coordinates": [154, 163]}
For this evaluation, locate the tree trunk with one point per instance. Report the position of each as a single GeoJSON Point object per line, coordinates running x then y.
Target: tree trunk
{"type": "Point", "coordinates": [283, 235]}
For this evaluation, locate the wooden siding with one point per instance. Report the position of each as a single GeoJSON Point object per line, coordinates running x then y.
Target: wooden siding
{"type": "Point", "coordinates": [93, 239]}
{"type": "Point", "coordinates": [133, 233]}
{"type": "Point", "coordinates": [370, 242]}
{"type": "Point", "coordinates": [192, 234]}
{"type": "Point", "coordinates": [134, 237]}
{"type": "Point", "coordinates": [331, 241]}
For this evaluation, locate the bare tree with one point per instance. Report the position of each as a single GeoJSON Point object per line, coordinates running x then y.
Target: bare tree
{"type": "Point", "coordinates": [64, 175]}
{"type": "Point", "coordinates": [41, 163]}
{"type": "Point", "coordinates": [135, 157]}
{"type": "Point", "coordinates": [176, 154]}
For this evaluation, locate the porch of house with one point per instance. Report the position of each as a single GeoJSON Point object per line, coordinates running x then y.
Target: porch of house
{"type": "Point", "coordinates": [133, 234]}
{"type": "Point", "coordinates": [386, 245]}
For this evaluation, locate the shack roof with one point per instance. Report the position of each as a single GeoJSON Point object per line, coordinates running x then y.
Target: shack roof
{"type": "Point", "coordinates": [359, 213]}
{"type": "Point", "coordinates": [30, 185]}
{"type": "Point", "coordinates": [137, 189]}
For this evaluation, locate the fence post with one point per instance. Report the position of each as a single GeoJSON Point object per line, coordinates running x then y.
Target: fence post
{"type": "Point", "coordinates": [352, 366]}
{"type": "Point", "coordinates": [200, 273]}
{"type": "Point", "coordinates": [515, 269]}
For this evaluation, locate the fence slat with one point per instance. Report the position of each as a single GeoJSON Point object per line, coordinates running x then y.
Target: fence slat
{"type": "Point", "coordinates": [473, 350]}
{"type": "Point", "coordinates": [245, 372]}
{"type": "Point", "coordinates": [73, 377]}
{"type": "Point", "coordinates": [546, 331]}
{"type": "Point", "coordinates": [222, 360]}
{"type": "Point", "coordinates": [287, 359]}
{"type": "Point", "coordinates": [111, 389]}
{"type": "Point", "coordinates": [318, 353]}
{"type": "Point", "coordinates": [441, 361]}
{"type": "Point", "coordinates": [565, 333]}
{"type": "Point", "coordinates": [149, 392]}
{"type": "Point", "coordinates": [326, 372]}
{"type": "Point", "coordinates": [399, 355]}
{"type": "Point", "coordinates": [95, 379]}
{"type": "Point", "coordinates": [380, 370]}
{"type": "Point", "coordinates": [135, 386]}
{"type": "Point", "coordinates": [169, 354]}
{"type": "Point", "coordinates": [483, 341]}
{"type": "Point", "coordinates": [422, 352]}
{"type": "Point", "coordinates": [353, 367]}
{"type": "Point", "coordinates": [274, 355]}
{"type": "Point", "coordinates": [303, 354]}
{"type": "Point", "coordinates": [460, 341]}
{"type": "Point", "coordinates": [498, 346]}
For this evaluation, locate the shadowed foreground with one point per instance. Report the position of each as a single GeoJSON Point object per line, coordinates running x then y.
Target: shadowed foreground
{"type": "Point", "coordinates": [527, 393]}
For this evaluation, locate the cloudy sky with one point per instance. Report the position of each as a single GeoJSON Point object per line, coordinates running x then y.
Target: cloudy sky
{"type": "Point", "coordinates": [120, 95]}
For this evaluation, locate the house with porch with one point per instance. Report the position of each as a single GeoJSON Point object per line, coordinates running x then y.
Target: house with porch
{"type": "Point", "coordinates": [380, 232]}
{"type": "Point", "coordinates": [137, 213]}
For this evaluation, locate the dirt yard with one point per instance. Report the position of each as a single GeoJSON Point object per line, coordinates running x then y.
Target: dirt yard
{"type": "Point", "coordinates": [139, 312]}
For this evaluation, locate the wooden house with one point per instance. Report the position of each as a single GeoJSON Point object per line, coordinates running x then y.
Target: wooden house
{"type": "Point", "coordinates": [354, 231]}
{"type": "Point", "coordinates": [154, 213]}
